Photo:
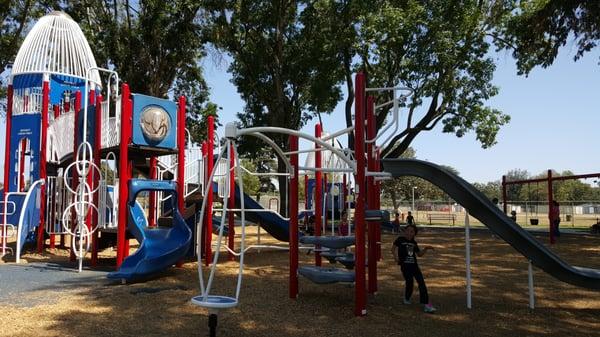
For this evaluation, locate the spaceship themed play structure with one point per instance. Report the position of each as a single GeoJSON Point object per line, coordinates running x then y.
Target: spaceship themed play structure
{"type": "Point", "coordinates": [90, 165]}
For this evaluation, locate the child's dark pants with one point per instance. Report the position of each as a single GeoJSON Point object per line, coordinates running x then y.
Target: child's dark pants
{"type": "Point", "coordinates": [412, 272]}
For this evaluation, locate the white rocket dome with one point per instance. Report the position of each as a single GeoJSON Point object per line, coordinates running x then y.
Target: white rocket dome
{"type": "Point", "coordinates": [56, 45]}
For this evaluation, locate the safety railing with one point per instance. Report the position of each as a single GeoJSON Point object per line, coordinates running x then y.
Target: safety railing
{"type": "Point", "coordinates": [27, 101]}
{"type": "Point", "coordinates": [57, 199]}
{"type": "Point", "coordinates": [8, 230]}
{"type": "Point", "coordinates": [60, 143]}
{"type": "Point", "coordinates": [111, 124]}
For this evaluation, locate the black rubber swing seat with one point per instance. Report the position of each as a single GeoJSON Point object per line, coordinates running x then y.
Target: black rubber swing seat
{"type": "Point", "coordinates": [326, 275]}
{"type": "Point", "coordinates": [333, 242]}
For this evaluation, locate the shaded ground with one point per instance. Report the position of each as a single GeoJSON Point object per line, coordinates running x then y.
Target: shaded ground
{"type": "Point", "coordinates": [162, 306]}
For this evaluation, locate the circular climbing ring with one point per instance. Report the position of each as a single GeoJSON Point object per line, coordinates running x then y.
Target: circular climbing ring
{"type": "Point", "coordinates": [81, 233]}
{"type": "Point", "coordinates": [80, 217]}
{"type": "Point", "coordinates": [70, 167]}
{"type": "Point", "coordinates": [84, 150]}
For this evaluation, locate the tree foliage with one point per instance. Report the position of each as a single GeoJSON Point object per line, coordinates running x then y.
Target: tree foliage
{"type": "Point", "coordinates": [401, 188]}
{"type": "Point", "coordinates": [281, 64]}
{"type": "Point", "coordinates": [538, 29]}
{"type": "Point", "coordinates": [439, 49]}
{"type": "Point", "coordinates": [154, 45]}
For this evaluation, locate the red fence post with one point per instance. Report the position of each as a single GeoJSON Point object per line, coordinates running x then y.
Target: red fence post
{"type": "Point", "coordinates": [504, 195]}
{"type": "Point", "coordinates": [293, 226]}
{"type": "Point", "coordinates": [550, 206]}
{"type": "Point", "coordinates": [360, 308]}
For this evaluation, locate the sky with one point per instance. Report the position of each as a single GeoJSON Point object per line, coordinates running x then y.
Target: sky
{"type": "Point", "coordinates": [554, 120]}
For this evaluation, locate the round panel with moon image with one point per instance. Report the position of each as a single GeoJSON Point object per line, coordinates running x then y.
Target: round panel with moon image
{"type": "Point", "coordinates": [155, 123]}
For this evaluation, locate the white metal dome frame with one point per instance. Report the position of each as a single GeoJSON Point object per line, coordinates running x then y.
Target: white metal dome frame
{"type": "Point", "coordinates": [56, 45]}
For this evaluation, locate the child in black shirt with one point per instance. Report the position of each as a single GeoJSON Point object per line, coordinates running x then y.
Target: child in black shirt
{"type": "Point", "coordinates": [406, 250]}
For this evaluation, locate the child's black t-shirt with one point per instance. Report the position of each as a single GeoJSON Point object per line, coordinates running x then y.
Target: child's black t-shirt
{"type": "Point", "coordinates": [410, 220]}
{"type": "Point", "coordinates": [407, 250]}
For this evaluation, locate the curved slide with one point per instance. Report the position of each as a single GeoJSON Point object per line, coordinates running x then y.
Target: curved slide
{"type": "Point", "coordinates": [160, 247]}
{"type": "Point", "coordinates": [272, 222]}
{"type": "Point", "coordinates": [489, 214]}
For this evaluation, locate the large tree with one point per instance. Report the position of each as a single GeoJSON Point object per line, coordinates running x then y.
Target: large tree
{"type": "Point", "coordinates": [439, 49]}
{"type": "Point", "coordinates": [282, 65]}
{"type": "Point", "coordinates": [154, 45]}
{"type": "Point", "coordinates": [539, 28]}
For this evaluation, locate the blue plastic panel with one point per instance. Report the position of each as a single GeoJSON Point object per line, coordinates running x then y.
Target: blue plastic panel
{"type": "Point", "coordinates": [140, 104]}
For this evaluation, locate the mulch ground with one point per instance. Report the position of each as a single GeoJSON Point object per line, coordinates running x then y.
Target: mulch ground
{"type": "Point", "coordinates": [161, 307]}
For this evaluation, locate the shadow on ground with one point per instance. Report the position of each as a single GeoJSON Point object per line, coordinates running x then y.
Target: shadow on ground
{"type": "Point", "coordinates": [161, 307]}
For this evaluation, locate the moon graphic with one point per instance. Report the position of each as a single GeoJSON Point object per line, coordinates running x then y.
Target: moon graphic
{"type": "Point", "coordinates": [155, 123]}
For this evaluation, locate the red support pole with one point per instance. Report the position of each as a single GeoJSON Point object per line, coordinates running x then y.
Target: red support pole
{"type": "Point", "coordinates": [318, 193]}
{"type": "Point", "coordinates": [56, 110]}
{"type": "Point", "coordinates": [89, 220]}
{"type": "Point", "coordinates": [98, 162]}
{"type": "Point", "coordinates": [7, 150]}
{"type": "Point", "coordinates": [344, 191]}
{"type": "Point", "coordinates": [124, 174]}
{"type": "Point", "coordinates": [181, 153]}
{"type": "Point", "coordinates": [360, 306]}
{"type": "Point", "coordinates": [504, 195]}
{"type": "Point", "coordinates": [43, 160]}
{"type": "Point", "coordinates": [325, 212]}
{"type": "Point", "coordinates": [209, 167]}
{"type": "Point", "coordinates": [372, 196]}
{"type": "Point", "coordinates": [152, 197]}
{"type": "Point", "coordinates": [202, 249]}
{"type": "Point", "coordinates": [181, 157]}
{"type": "Point", "coordinates": [293, 229]}
{"type": "Point", "coordinates": [378, 203]}
{"type": "Point", "coordinates": [52, 218]}
{"type": "Point", "coordinates": [550, 206]}
{"type": "Point", "coordinates": [75, 176]}
{"type": "Point", "coordinates": [231, 222]}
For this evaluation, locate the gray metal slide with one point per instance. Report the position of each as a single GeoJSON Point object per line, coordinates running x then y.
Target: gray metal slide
{"type": "Point", "coordinates": [489, 214]}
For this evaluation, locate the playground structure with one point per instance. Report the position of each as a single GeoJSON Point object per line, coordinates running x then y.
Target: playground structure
{"type": "Point", "coordinates": [58, 155]}
{"type": "Point", "coordinates": [549, 180]}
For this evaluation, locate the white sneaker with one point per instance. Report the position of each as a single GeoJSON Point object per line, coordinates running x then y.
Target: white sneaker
{"type": "Point", "coordinates": [405, 301]}
{"type": "Point", "coordinates": [428, 308]}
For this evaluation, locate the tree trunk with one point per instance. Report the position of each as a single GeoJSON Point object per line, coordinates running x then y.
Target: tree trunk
{"type": "Point", "coordinates": [350, 99]}
{"type": "Point", "coordinates": [394, 199]}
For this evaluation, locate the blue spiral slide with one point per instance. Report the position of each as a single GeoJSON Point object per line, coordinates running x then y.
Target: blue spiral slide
{"type": "Point", "coordinates": [160, 247]}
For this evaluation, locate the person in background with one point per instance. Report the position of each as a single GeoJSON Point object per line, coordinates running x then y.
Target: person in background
{"type": "Point", "coordinates": [344, 227]}
{"type": "Point", "coordinates": [410, 220]}
{"type": "Point", "coordinates": [555, 218]}
{"type": "Point", "coordinates": [396, 222]}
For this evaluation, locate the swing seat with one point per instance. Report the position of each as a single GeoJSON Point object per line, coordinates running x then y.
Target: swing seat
{"type": "Point", "coordinates": [214, 301]}
{"type": "Point", "coordinates": [332, 242]}
{"type": "Point", "coordinates": [326, 275]}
